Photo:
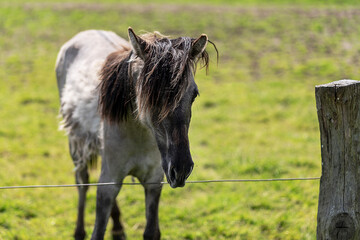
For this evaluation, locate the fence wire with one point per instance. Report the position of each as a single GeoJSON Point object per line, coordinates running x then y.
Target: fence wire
{"type": "Point", "coordinates": [162, 183]}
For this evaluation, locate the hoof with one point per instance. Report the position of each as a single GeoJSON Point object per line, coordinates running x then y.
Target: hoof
{"type": "Point", "coordinates": [119, 235]}
{"type": "Point", "coordinates": [153, 236]}
{"type": "Point", "coordinates": [79, 235]}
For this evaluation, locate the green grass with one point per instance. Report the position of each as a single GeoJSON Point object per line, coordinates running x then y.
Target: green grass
{"type": "Point", "coordinates": [256, 117]}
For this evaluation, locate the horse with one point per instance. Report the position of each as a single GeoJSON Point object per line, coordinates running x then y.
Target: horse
{"type": "Point", "coordinates": [130, 103]}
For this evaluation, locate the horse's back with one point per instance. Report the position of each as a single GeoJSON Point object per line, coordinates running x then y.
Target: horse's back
{"type": "Point", "coordinates": [82, 56]}
{"type": "Point", "coordinates": [77, 71]}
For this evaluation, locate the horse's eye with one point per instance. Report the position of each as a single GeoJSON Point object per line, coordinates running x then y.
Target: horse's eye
{"type": "Point", "coordinates": [196, 93]}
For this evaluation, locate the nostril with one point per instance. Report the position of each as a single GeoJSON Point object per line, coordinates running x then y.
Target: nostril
{"type": "Point", "coordinates": [173, 174]}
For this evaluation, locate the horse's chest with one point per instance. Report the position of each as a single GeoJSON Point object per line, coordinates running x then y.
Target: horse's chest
{"type": "Point", "coordinates": [132, 148]}
{"type": "Point", "coordinates": [143, 160]}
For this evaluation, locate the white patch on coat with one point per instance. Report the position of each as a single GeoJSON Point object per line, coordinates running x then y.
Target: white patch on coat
{"type": "Point", "coordinates": [79, 63]}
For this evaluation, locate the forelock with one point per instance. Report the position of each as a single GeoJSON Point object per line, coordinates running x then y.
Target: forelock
{"type": "Point", "coordinates": [165, 76]}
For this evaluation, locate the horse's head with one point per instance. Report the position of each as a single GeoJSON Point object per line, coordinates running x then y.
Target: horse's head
{"type": "Point", "coordinates": [163, 73]}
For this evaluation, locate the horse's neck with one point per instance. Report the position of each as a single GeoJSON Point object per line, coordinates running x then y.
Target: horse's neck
{"type": "Point", "coordinates": [132, 130]}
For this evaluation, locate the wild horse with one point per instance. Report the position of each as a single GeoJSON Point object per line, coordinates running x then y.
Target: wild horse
{"type": "Point", "coordinates": [129, 102]}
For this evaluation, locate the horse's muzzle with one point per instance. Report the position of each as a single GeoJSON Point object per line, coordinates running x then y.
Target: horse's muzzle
{"type": "Point", "coordinates": [176, 178]}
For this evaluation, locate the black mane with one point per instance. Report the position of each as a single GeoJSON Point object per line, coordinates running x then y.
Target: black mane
{"type": "Point", "coordinates": [116, 90]}
{"type": "Point", "coordinates": [163, 81]}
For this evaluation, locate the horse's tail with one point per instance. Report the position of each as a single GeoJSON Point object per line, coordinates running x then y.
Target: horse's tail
{"type": "Point", "coordinates": [84, 151]}
{"type": "Point", "coordinates": [84, 146]}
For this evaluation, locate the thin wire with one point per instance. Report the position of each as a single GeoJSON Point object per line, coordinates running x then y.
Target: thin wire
{"type": "Point", "coordinates": [162, 183]}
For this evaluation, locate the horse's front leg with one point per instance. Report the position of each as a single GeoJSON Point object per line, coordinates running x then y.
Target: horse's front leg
{"type": "Point", "coordinates": [152, 198]}
{"type": "Point", "coordinates": [105, 199]}
{"type": "Point", "coordinates": [118, 232]}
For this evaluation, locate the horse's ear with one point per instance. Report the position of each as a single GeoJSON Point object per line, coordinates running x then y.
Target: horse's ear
{"type": "Point", "coordinates": [198, 46]}
{"type": "Point", "coordinates": [137, 44]}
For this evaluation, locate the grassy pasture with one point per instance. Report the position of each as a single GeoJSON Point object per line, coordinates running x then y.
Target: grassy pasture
{"type": "Point", "coordinates": [255, 118]}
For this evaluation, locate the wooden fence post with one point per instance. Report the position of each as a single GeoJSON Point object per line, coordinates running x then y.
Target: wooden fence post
{"type": "Point", "coordinates": [339, 199]}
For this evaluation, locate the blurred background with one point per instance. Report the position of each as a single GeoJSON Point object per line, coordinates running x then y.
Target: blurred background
{"type": "Point", "coordinates": [255, 117]}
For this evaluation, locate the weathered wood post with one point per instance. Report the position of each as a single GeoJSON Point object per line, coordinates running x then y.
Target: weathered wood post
{"type": "Point", "coordinates": [339, 200]}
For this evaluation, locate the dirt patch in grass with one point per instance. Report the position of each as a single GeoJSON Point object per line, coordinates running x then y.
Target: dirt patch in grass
{"type": "Point", "coordinates": [258, 11]}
